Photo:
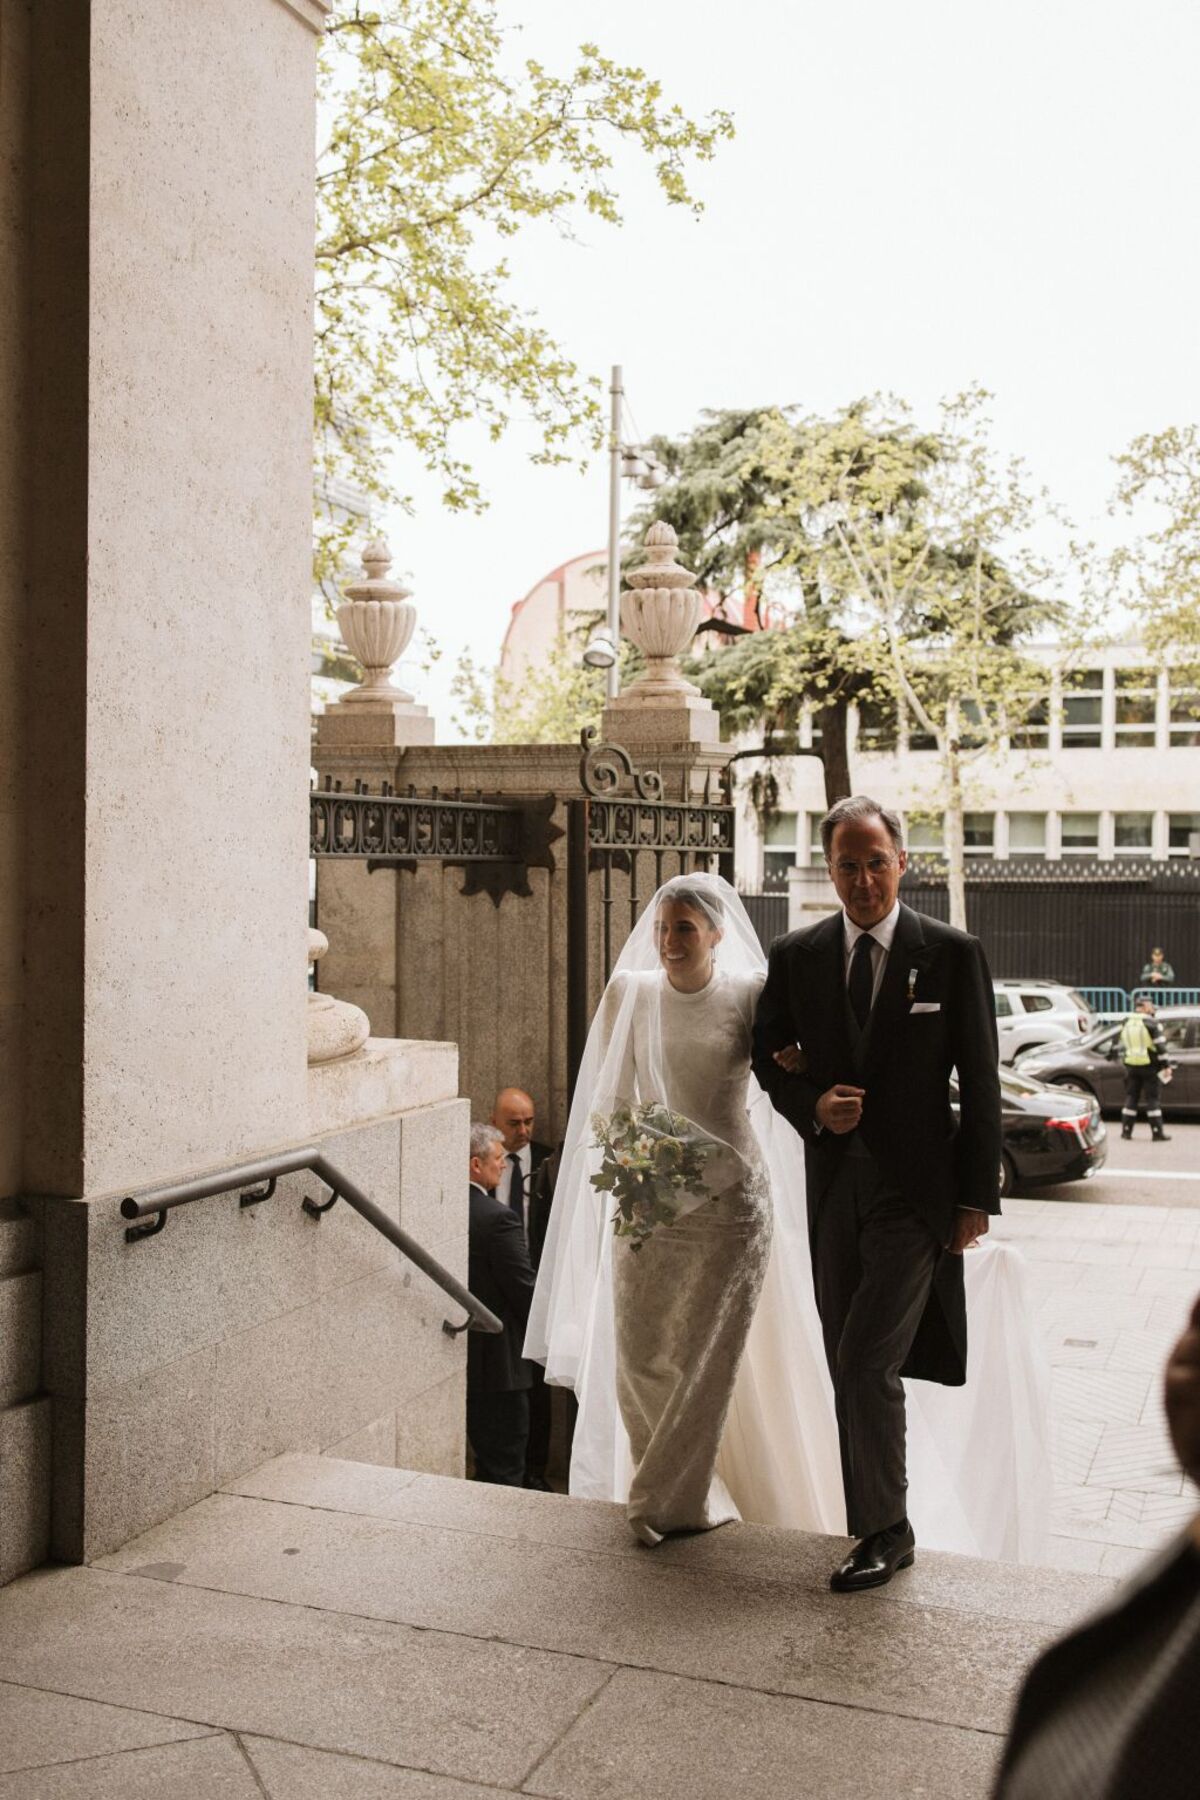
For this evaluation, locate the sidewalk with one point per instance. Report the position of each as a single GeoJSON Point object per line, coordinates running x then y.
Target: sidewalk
{"type": "Point", "coordinates": [1113, 1282]}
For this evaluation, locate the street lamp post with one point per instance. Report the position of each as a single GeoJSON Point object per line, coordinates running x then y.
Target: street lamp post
{"type": "Point", "coordinates": [603, 651]}
{"type": "Point", "coordinates": [614, 531]}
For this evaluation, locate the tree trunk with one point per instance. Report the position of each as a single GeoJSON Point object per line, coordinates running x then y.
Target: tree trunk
{"type": "Point", "coordinates": [835, 750]}
{"type": "Point", "coordinates": [956, 861]}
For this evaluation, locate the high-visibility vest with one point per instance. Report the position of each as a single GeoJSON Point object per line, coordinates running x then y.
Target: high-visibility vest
{"type": "Point", "coordinates": [1137, 1042]}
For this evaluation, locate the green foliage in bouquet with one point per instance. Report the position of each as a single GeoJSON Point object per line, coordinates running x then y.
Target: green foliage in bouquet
{"type": "Point", "coordinates": [648, 1164]}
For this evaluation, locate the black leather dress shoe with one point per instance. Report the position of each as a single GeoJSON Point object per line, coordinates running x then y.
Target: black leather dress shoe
{"type": "Point", "coordinates": [872, 1563]}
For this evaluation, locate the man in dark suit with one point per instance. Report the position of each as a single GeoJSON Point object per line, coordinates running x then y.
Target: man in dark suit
{"type": "Point", "coordinates": [883, 1004]}
{"type": "Point", "coordinates": [525, 1186]}
{"type": "Point", "coordinates": [1109, 1713]}
{"type": "Point", "coordinates": [500, 1274]}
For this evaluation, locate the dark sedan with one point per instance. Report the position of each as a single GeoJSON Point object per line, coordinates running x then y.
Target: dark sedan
{"type": "Point", "coordinates": [1093, 1066]}
{"type": "Point", "coordinates": [1049, 1136]}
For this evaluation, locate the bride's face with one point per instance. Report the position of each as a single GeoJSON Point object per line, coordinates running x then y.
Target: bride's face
{"type": "Point", "coordinates": [685, 939]}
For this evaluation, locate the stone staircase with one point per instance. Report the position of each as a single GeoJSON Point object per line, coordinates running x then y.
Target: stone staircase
{"type": "Point", "coordinates": [25, 1417]}
{"type": "Point", "coordinates": [323, 1628]}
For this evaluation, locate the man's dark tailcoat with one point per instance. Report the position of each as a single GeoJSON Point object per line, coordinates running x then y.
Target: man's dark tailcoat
{"type": "Point", "coordinates": [500, 1274]}
{"type": "Point", "coordinates": [936, 1161]}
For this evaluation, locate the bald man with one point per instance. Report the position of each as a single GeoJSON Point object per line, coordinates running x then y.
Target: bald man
{"type": "Point", "coordinates": [527, 1187]}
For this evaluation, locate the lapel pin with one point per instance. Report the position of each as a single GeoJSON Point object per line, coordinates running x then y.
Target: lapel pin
{"type": "Point", "coordinates": [912, 984]}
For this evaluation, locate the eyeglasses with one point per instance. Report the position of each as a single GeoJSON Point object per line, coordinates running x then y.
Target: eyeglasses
{"type": "Point", "coordinates": [875, 865]}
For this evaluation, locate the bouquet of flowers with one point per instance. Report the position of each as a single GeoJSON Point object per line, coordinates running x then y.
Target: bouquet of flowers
{"type": "Point", "coordinates": [653, 1162]}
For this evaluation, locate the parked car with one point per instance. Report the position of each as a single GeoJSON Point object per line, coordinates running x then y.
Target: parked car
{"type": "Point", "coordinates": [1093, 1066]}
{"type": "Point", "coordinates": [1049, 1136]}
{"type": "Point", "coordinates": [1029, 1013]}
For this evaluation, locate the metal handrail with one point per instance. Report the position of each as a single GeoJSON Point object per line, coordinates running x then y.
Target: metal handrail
{"type": "Point", "coordinates": [244, 1176]}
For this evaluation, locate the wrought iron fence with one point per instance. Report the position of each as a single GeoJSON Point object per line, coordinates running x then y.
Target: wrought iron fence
{"type": "Point", "coordinates": [495, 841]}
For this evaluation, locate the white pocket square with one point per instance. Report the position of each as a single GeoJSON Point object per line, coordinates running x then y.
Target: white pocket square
{"type": "Point", "coordinates": [925, 1006]}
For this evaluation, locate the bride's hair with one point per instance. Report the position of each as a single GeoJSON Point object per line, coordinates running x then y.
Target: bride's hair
{"type": "Point", "coordinates": [702, 897]}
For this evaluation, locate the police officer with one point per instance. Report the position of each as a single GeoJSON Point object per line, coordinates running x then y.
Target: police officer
{"type": "Point", "coordinates": [1143, 1055]}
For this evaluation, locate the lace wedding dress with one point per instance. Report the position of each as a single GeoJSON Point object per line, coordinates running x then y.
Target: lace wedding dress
{"type": "Point", "coordinates": [697, 1357]}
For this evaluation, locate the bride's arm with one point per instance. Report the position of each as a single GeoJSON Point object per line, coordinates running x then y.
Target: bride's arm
{"type": "Point", "coordinates": [793, 1095]}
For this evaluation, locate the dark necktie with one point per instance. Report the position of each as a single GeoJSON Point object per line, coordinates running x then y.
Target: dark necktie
{"type": "Point", "coordinates": [862, 980]}
{"type": "Point", "coordinates": [516, 1187]}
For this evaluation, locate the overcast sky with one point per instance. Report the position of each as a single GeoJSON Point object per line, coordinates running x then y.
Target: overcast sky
{"type": "Point", "coordinates": [918, 197]}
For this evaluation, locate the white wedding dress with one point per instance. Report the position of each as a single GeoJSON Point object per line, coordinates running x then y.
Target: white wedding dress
{"type": "Point", "coordinates": [697, 1359]}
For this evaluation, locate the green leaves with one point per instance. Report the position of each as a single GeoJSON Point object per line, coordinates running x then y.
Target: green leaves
{"type": "Point", "coordinates": [440, 143]}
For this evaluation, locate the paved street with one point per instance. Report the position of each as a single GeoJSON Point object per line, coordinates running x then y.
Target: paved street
{"type": "Point", "coordinates": [1115, 1264]}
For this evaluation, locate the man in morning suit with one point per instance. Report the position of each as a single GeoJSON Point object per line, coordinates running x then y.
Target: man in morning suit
{"type": "Point", "coordinates": [498, 1273]}
{"type": "Point", "coordinates": [526, 1186]}
{"type": "Point", "coordinates": [1109, 1713]}
{"type": "Point", "coordinates": [883, 1004]}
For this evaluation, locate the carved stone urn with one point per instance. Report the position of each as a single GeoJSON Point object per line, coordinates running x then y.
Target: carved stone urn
{"type": "Point", "coordinates": [377, 622]}
{"type": "Point", "coordinates": [335, 1027]}
{"type": "Point", "coordinates": [660, 610]}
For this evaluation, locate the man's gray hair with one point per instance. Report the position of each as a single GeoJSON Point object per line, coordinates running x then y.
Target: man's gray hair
{"type": "Point", "coordinates": [856, 811]}
{"type": "Point", "coordinates": [483, 1137]}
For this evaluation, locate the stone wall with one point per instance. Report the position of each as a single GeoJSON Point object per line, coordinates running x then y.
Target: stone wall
{"type": "Point", "coordinates": [181, 1360]}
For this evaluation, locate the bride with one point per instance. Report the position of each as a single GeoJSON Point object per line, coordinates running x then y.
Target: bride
{"type": "Point", "coordinates": [675, 1291]}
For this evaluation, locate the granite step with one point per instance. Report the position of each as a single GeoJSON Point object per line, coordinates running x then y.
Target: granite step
{"type": "Point", "coordinates": [374, 1630]}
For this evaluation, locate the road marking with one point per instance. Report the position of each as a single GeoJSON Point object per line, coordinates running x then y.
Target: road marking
{"type": "Point", "coordinates": [1147, 1174]}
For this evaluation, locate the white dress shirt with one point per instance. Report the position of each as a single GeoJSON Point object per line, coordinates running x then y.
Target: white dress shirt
{"type": "Point", "coordinates": [504, 1185]}
{"type": "Point", "coordinates": [881, 936]}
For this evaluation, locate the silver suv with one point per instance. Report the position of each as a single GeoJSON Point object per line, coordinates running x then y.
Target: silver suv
{"type": "Point", "coordinates": [1039, 1012]}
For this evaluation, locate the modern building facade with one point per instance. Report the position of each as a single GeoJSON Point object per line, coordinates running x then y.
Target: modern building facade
{"type": "Point", "coordinates": [1108, 769]}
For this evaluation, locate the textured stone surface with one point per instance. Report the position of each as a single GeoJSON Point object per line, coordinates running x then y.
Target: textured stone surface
{"type": "Point", "coordinates": [19, 1238]}
{"type": "Point", "coordinates": [20, 1335]}
{"type": "Point", "coordinates": [160, 643]}
{"type": "Point", "coordinates": [430, 1428]}
{"type": "Point", "coordinates": [479, 1711]}
{"type": "Point", "coordinates": [433, 1156]}
{"type": "Point", "coordinates": [204, 1768]}
{"type": "Point", "coordinates": [148, 1450]}
{"type": "Point", "coordinates": [38, 1728]}
{"type": "Point", "coordinates": [25, 1448]}
{"type": "Point", "coordinates": [387, 1076]}
{"type": "Point", "coordinates": [374, 1443]}
{"type": "Point", "coordinates": [292, 1773]}
{"type": "Point", "coordinates": [690, 1740]}
{"type": "Point", "coordinates": [786, 1636]}
{"type": "Point", "coordinates": [326, 1482]}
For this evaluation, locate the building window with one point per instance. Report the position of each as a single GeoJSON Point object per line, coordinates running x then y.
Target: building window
{"type": "Point", "coordinates": [1026, 834]}
{"type": "Point", "coordinates": [1080, 834]}
{"type": "Point", "coordinates": [1181, 828]}
{"type": "Point", "coordinates": [1185, 715]}
{"type": "Point", "coordinates": [1032, 732]}
{"type": "Point", "coordinates": [979, 833]}
{"type": "Point", "coordinates": [1083, 706]}
{"type": "Point", "coordinates": [1136, 708]}
{"type": "Point", "coordinates": [779, 855]}
{"type": "Point", "coordinates": [925, 837]}
{"type": "Point", "coordinates": [877, 725]}
{"type": "Point", "coordinates": [816, 849]}
{"type": "Point", "coordinates": [1133, 833]}
{"type": "Point", "coordinates": [917, 739]}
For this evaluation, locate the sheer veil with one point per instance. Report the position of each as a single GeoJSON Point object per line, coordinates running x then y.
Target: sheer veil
{"type": "Point", "coordinates": [779, 1455]}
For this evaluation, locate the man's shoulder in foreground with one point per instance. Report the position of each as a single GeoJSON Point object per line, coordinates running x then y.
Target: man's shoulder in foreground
{"type": "Point", "coordinates": [489, 1214]}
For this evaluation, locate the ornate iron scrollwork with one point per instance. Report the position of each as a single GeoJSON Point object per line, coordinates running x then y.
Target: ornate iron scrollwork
{"type": "Point", "coordinates": [603, 768]}
{"type": "Point", "coordinates": [495, 842]}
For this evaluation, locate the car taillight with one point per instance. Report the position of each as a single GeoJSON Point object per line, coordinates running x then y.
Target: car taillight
{"type": "Point", "coordinates": [1076, 1124]}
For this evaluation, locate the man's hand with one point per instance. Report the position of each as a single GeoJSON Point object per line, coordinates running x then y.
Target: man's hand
{"type": "Point", "coordinates": [1183, 1396]}
{"type": "Point", "coordinates": [792, 1059]}
{"type": "Point", "coordinates": [840, 1108]}
{"type": "Point", "coordinates": [969, 1227]}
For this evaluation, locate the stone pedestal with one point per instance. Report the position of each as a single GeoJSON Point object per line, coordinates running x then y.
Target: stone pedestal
{"type": "Point", "coordinates": [660, 610]}
{"type": "Point", "coordinates": [377, 621]}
